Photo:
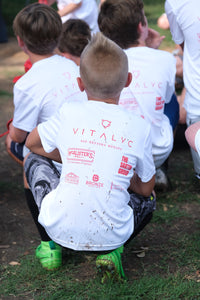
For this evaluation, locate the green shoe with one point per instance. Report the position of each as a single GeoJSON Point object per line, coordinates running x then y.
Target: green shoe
{"type": "Point", "coordinates": [50, 255]}
{"type": "Point", "coordinates": [110, 265]}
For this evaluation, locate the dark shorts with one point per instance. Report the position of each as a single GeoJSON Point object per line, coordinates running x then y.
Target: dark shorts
{"type": "Point", "coordinates": [142, 207]}
{"type": "Point", "coordinates": [17, 150]}
{"type": "Point", "coordinates": [171, 110]}
{"type": "Point", "coordinates": [43, 177]}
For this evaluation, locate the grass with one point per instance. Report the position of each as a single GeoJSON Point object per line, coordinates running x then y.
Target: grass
{"type": "Point", "coordinates": [153, 10]}
{"type": "Point", "coordinates": [4, 93]}
{"type": "Point", "coordinates": [169, 269]}
{"type": "Point", "coordinates": [39, 284]}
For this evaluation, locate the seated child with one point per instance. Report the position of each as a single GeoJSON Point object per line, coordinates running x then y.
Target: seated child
{"type": "Point", "coordinates": [49, 82]}
{"type": "Point", "coordinates": [75, 36]}
{"type": "Point", "coordinates": [153, 72]}
{"type": "Point", "coordinates": [104, 150]}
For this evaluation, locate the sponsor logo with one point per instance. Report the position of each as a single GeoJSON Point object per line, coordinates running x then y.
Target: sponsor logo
{"type": "Point", "coordinates": [72, 178]}
{"type": "Point", "coordinates": [67, 75]}
{"type": "Point", "coordinates": [105, 123]}
{"type": "Point", "coordinates": [124, 166]}
{"type": "Point", "coordinates": [82, 156]}
{"type": "Point", "coordinates": [148, 85]}
{"type": "Point", "coordinates": [95, 182]}
{"type": "Point", "coordinates": [102, 136]}
{"type": "Point", "coordinates": [159, 103]}
{"type": "Point", "coordinates": [136, 73]}
{"type": "Point", "coordinates": [116, 187]}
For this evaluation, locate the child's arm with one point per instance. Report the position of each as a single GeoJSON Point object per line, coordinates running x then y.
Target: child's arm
{"type": "Point", "coordinates": [17, 135]}
{"type": "Point", "coordinates": [154, 39]}
{"type": "Point", "coordinates": [69, 8]}
{"type": "Point", "coordinates": [143, 188]}
{"type": "Point", "coordinates": [33, 142]}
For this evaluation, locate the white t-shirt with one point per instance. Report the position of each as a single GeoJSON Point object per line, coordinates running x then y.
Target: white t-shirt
{"type": "Point", "coordinates": [184, 19]}
{"type": "Point", "coordinates": [100, 145]}
{"type": "Point", "coordinates": [43, 89]}
{"type": "Point", "coordinates": [153, 83]}
{"type": "Point", "coordinates": [88, 11]}
{"type": "Point", "coordinates": [197, 141]}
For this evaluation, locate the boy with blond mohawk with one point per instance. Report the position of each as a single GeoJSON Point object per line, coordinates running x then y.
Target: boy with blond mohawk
{"type": "Point", "coordinates": [105, 151]}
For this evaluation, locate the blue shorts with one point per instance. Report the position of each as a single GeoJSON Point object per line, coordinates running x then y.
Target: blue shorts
{"type": "Point", "coordinates": [171, 110]}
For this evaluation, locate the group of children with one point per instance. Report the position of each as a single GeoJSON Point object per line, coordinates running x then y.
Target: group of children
{"type": "Point", "coordinates": [93, 123]}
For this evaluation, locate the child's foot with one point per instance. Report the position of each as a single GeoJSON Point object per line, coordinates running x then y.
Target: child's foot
{"type": "Point", "coordinates": [50, 255]}
{"type": "Point", "coordinates": [110, 265]}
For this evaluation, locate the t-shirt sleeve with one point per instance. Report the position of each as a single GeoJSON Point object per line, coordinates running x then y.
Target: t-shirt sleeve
{"type": "Point", "coordinates": [175, 29]}
{"type": "Point", "coordinates": [145, 167]}
{"type": "Point", "coordinates": [172, 75]}
{"type": "Point", "coordinates": [26, 112]}
{"type": "Point", "coordinates": [48, 132]}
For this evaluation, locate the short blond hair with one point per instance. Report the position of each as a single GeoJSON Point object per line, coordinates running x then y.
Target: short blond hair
{"type": "Point", "coordinates": [103, 67]}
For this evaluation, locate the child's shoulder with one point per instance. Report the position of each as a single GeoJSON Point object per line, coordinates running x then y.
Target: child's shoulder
{"type": "Point", "coordinates": [147, 51]}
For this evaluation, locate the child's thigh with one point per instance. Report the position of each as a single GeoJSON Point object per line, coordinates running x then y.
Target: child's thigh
{"type": "Point", "coordinates": [142, 206]}
{"type": "Point", "coordinates": [42, 176]}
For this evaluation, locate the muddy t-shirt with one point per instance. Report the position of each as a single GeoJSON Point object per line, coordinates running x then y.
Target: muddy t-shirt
{"type": "Point", "coordinates": [100, 145]}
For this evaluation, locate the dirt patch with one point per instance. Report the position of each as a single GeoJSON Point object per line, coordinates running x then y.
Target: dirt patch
{"type": "Point", "coordinates": [17, 231]}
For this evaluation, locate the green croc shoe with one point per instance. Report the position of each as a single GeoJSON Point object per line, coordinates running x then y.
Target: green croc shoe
{"type": "Point", "coordinates": [50, 255]}
{"type": "Point", "coordinates": [110, 265]}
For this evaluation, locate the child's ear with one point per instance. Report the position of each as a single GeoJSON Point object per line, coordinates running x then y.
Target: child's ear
{"type": "Point", "coordinates": [129, 79]}
{"type": "Point", "coordinates": [140, 28]}
{"type": "Point", "coordinates": [20, 42]}
{"type": "Point", "coordinates": [80, 84]}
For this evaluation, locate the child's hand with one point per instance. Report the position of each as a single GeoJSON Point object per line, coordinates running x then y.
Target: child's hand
{"type": "Point", "coordinates": [154, 39]}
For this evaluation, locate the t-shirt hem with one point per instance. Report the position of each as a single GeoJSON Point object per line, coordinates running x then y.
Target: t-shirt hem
{"type": "Point", "coordinates": [86, 247]}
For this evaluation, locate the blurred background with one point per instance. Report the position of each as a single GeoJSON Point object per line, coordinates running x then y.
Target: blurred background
{"type": "Point", "coordinates": [153, 9]}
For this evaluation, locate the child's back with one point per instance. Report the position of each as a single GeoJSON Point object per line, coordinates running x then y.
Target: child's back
{"type": "Point", "coordinates": [153, 70]}
{"type": "Point", "coordinates": [43, 89]}
{"type": "Point", "coordinates": [51, 80]}
{"type": "Point", "coordinates": [105, 150]}
{"type": "Point", "coordinates": [151, 88]}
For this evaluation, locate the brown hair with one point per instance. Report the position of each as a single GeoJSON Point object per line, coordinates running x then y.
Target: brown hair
{"type": "Point", "coordinates": [119, 20]}
{"type": "Point", "coordinates": [75, 36]}
{"type": "Point", "coordinates": [39, 26]}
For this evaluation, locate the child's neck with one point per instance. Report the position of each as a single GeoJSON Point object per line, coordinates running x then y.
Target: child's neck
{"type": "Point", "coordinates": [108, 101]}
{"type": "Point", "coordinates": [36, 57]}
